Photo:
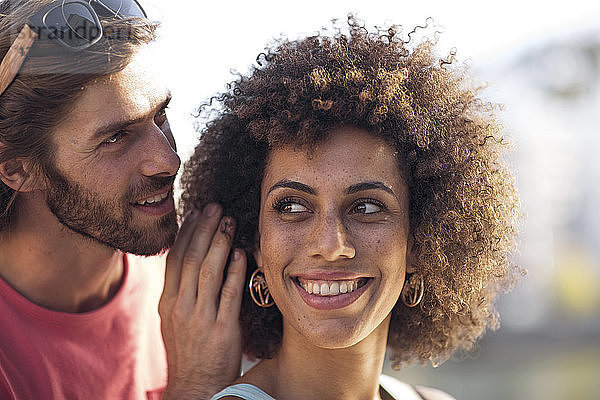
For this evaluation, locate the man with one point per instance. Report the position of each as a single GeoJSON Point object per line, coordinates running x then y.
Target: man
{"type": "Point", "coordinates": [87, 163]}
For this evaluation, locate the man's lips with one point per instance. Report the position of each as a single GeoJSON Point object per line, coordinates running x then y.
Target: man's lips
{"type": "Point", "coordinates": [157, 204]}
{"type": "Point", "coordinates": [154, 198]}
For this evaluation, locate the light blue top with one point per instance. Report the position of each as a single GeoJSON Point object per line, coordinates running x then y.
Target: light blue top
{"type": "Point", "coordinates": [244, 391]}
{"type": "Point", "coordinates": [398, 390]}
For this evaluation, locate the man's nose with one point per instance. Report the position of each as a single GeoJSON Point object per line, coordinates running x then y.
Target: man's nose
{"type": "Point", "coordinates": [330, 239]}
{"type": "Point", "coordinates": [159, 157]}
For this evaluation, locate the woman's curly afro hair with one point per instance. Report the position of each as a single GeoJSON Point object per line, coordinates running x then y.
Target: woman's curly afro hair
{"type": "Point", "coordinates": [463, 204]}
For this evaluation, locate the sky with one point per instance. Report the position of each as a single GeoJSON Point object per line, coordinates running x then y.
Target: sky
{"type": "Point", "coordinates": [201, 42]}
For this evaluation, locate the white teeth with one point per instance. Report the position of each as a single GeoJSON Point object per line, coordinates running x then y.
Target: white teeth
{"type": "Point", "coordinates": [324, 289]}
{"type": "Point", "coordinates": [343, 287]}
{"type": "Point", "coordinates": [329, 288]}
{"type": "Point", "coordinates": [334, 289]}
{"type": "Point", "coordinates": [153, 199]}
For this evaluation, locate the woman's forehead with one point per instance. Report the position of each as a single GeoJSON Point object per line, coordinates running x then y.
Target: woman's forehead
{"type": "Point", "coordinates": [345, 157]}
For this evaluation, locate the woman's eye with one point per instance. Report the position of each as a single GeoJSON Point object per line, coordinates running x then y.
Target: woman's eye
{"type": "Point", "coordinates": [289, 207]}
{"type": "Point", "coordinates": [366, 207]}
{"type": "Point", "coordinates": [115, 138]}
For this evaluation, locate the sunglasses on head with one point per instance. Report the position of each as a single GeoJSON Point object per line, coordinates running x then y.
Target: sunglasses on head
{"type": "Point", "coordinates": [75, 24]}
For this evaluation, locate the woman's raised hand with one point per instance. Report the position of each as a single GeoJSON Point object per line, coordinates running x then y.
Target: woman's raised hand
{"type": "Point", "coordinates": [200, 312]}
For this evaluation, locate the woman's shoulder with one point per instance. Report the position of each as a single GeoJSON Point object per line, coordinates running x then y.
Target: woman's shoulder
{"type": "Point", "coordinates": [393, 387]}
{"type": "Point", "coordinates": [243, 391]}
{"type": "Point", "coordinates": [433, 394]}
{"type": "Point", "coordinates": [400, 390]}
{"type": "Point", "coordinates": [233, 398]}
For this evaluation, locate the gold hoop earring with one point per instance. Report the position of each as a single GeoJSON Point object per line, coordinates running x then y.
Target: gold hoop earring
{"type": "Point", "coordinates": [259, 291]}
{"type": "Point", "coordinates": [412, 292]}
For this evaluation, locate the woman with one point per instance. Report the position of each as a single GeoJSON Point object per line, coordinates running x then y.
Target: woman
{"type": "Point", "coordinates": [364, 176]}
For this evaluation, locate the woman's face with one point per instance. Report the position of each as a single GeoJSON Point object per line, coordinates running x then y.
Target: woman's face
{"type": "Point", "coordinates": [333, 236]}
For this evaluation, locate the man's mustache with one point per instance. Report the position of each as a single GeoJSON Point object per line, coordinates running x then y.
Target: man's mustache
{"type": "Point", "coordinates": [149, 186]}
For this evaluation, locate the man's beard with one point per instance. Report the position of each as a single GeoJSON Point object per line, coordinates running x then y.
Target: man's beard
{"type": "Point", "coordinates": [83, 212]}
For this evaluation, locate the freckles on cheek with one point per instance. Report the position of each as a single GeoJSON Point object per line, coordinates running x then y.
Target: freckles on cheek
{"type": "Point", "coordinates": [278, 248]}
{"type": "Point", "coordinates": [392, 244]}
{"type": "Point", "coordinates": [275, 247]}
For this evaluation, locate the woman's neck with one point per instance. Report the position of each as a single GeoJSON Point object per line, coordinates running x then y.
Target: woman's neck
{"type": "Point", "coordinates": [300, 370]}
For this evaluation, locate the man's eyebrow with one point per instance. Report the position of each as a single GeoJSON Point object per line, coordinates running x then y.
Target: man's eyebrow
{"type": "Point", "coordinates": [368, 186]}
{"type": "Point", "coordinates": [285, 183]}
{"type": "Point", "coordinates": [119, 125]}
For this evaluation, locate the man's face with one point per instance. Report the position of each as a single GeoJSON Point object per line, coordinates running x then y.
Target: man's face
{"type": "Point", "coordinates": [112, 174]}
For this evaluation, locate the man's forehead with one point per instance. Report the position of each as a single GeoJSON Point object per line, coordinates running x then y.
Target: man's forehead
{"type": "Point", "coordinates": [129, 94]}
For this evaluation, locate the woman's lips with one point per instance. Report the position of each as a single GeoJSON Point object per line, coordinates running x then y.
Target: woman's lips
{"type": "Point", "coordinates": [331, 294]}
{"type": "Point", "coordinates": [323, 287]}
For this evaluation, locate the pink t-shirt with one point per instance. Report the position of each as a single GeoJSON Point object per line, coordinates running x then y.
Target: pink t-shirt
{"type": "Point", "coordinates": [114, 352]}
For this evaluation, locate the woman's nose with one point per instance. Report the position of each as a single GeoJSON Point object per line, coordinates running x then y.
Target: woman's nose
{"type": "Point", "coordinates": [331, 240]}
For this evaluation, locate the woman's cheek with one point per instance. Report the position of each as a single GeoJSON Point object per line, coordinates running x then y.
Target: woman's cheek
{"type": "Point", "coordinates": [277, 245]}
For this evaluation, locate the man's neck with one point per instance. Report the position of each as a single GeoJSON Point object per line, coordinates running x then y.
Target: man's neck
{"type": "Point", "coordinates": [55, 267]}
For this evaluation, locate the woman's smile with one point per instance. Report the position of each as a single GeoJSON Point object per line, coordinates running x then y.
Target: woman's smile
{"type": "Point", "coordinates": [329, 295]}
{"type": "Point", "coordinates": [330, 288]}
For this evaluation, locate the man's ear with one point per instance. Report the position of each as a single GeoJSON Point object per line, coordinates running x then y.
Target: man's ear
{"type": "Point", "coordinates": [411, 259]}
{"type": "Point", "coordinates": [18, 175]}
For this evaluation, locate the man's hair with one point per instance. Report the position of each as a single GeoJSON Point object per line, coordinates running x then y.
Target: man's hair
{"type": "Point", "coordinates": [50, 80]}
{"type": "Point", "coordinates": [463, 204]}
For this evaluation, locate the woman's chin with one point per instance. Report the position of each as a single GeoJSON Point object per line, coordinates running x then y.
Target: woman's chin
{"type": "Point", "coordinates": [332, 334]}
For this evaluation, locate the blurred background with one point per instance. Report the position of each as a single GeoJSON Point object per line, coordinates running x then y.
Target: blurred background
{"type": "Point", "coordinates": [542, 61]}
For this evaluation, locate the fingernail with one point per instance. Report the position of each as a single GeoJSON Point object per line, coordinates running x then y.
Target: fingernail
{"type": "Point", "coordinates": [237, 254]}
{"type": "Point", "coordinates": [210, 210]}
{"type": "Point", "coordinates": [226, 225]}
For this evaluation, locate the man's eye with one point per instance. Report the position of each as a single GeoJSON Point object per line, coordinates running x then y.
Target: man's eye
{"type": "Point", "coordinates": [117, 137]}
{"type": "Point", "coordinates": [161, 117]}
{"type": "Point", "coordinates": [367, 207]}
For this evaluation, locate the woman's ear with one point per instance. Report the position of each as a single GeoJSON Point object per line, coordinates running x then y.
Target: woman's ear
{"type": "Point", "coordinates": [258, 258]}
{"type": "Point", "coordinates": [17, 174]}
{"type": "Point", "coordinates": [257, 253]}
{"type": "Point", "coordinates": [411, 256]}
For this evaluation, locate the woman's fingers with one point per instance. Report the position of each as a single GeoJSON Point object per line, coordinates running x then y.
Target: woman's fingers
{"type": "Point", "coordinates": [232, 290]}
{"type": "Point", "coordinates": [198, 347]}
{"type": "Point", "coordinates": [175, 256]}
{"type": "Point", "coordinates": [210, 277]}
{"type": "Point", "coordinates": [196, 251]}
{"type": "Point", "coordinates": [195, 265]}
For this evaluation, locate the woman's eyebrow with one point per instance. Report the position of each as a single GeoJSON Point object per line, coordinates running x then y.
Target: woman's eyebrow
{"type": "Point", "coordinates": [368, 186]}
{"type": "Point", "coordinates": [358, 187]}
{"type": "Point", "coordinates": [285, 183]}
